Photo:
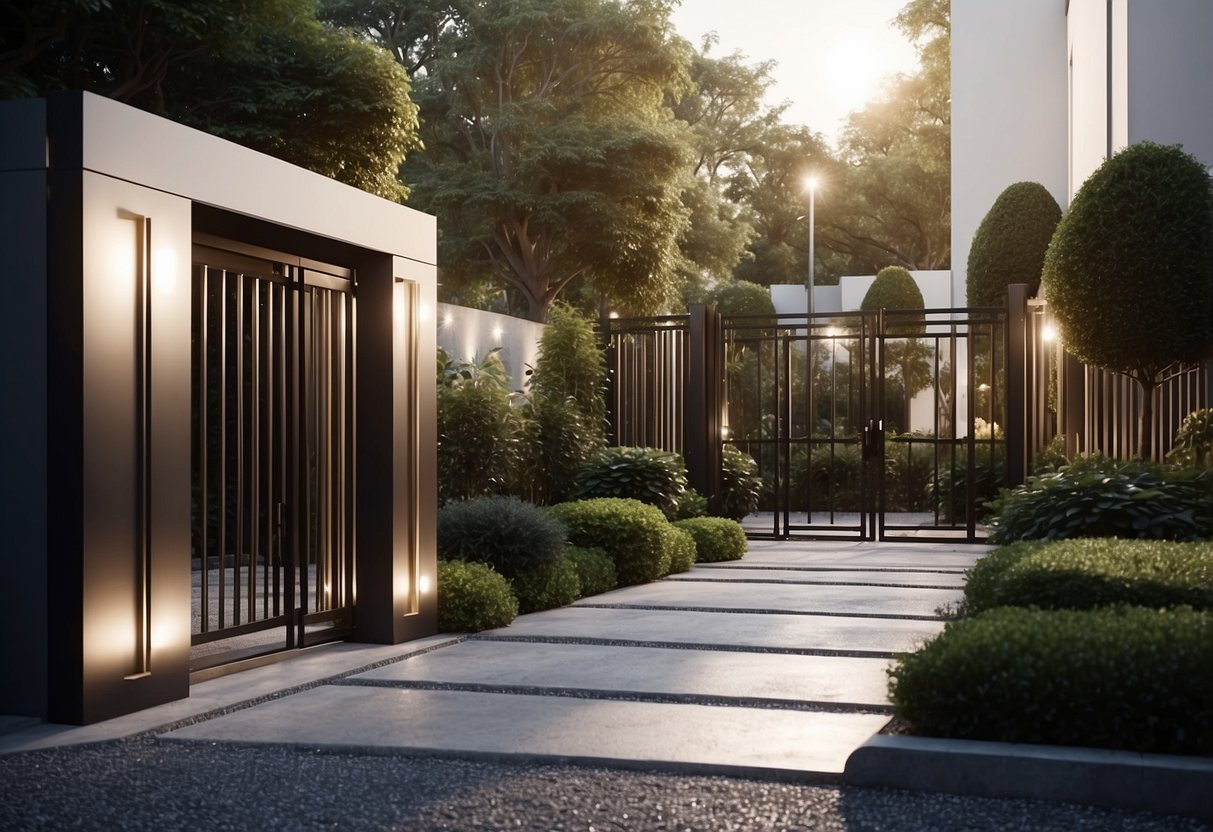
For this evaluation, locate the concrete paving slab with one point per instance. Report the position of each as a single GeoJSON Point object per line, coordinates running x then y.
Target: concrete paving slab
{"type": "Point", "coordinates": [864, 555]}
{"type": "Point", "coordinates": [820, 575]}
{"type": "Point", "coordinates": [673, 736]}
{"type": "Point", "coordinates": [853, 600]}
{"type": "Point", "coordinates": [748, 631]}
{"type": "Point", "coordinates": [646, 670]}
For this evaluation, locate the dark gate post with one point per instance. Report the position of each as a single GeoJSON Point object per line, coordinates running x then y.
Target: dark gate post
{"type": "Point", "coordinates": [1017, 379]}
{"type": "Point", "coordinates": [704, 400]}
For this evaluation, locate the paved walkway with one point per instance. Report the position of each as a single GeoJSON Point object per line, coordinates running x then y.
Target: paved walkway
{"type": "Point", "coordinates": [772, 664]}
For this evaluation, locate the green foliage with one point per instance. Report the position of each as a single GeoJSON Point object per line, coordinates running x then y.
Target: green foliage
{"type": "Point", "coordinates": [595, 569]}
{"type": "Point", "coordinates": [740, 297]}
{"type": "Point", "coordinates": [716, 538]}
{"type": "Point", "coordinates": [1092, 572]}
{"type": "Point", "coordinates": [1052, 457]}
{"type": "Point", "coordinates": [740, 485]}
{"type": "Point", "coordinates": [949, 486]}
{"type": "Point", "coordinates": [266, 74]}
{"type": "Point", "coordinates": [1099, 497]}
{"type": "Point", "coordinates": [548, 585]}
{"type": "Point", "coordinates": [909, 472]}
{"type": "Point", "coordinates": [473, 597]}
{"type": "Point", "coordinates": [680, 545]}
{"type": "Point", "coordinates": [477, 427]}
{"type": "Point", "coordinates": [1009, 246]}
{"type": "Point", "coordinates": [1129, 678]}
{"type": "Point", "coordinates": [629, 531]}
{"type": "Point", "coordinates": [893, 288]}
{"type": "Point", "coordinates": [1129, 273]}
{"type": "Point", "coordinates": [512, 536]}
{"type": "Point", "coordinates": [831, 476]}
{"type": "Point", "coordinates": [554, 443]}
{"type": "Point", "coordinates": [572, 365]}
{"type": "Point", "coordinates": [1194, 440]}
{"type": "Point", "coordinates": [650, 475]}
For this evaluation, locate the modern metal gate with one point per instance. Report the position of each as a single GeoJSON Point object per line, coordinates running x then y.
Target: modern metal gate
{"type": "Point", "coordinates": [273, 453]}
{"type": "Point", "coordinates": [864, 425]}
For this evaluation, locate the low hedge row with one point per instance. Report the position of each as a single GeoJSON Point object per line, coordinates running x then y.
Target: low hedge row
{"type": "Point", "coordinates": [1123, 677]}
{"type": "Point", "coordinates": [629, 531]}
{"type": "Point", "coordinates": [1092, 572]}
{"type": "Point", "coordinates": [716, 538]}
{"type": "Point", "coordinates": [595, 569]}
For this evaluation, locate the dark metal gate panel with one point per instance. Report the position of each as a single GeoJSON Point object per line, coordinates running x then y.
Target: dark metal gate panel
{"type": "Point", "coordinates": [273, 456]}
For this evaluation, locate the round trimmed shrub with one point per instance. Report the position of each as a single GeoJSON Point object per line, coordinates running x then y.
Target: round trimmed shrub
{"type": "Point", "coordinates": [716, 538]}
{"type": "Point", "coordinates": [595, 569]}
{"type": "Point", "coordinates": [545, 586]}
{"type": "Point", "coordinates": [894, 288]}
{"type": "Point", "coordinates": [1099, 497]}
{"type": "Point", "coordinates": [649, 475]}
{"type": "Point", "coordinates": [473, 597]}
{"type": "Point", "coordinates": [629, 531]}
{"type": "Point", "coordinates": [1009, 245]}
{"type": "Point", "coordinates": [1129, 273]}
{"type": "Point", "coordinates": [1124, 677]}
{"type": "Point", "coordinates": [1086, 573]}
{"type": "Point", "coordinates": [511, 535]}
{"type": "Point", "coordinates": [740, 485]}
{"type": "Point", "coordinates": [741, 297]}
{"type": "Point", "coordinates": [681, 547]}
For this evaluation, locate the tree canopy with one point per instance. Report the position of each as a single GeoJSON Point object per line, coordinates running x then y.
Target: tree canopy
{"type": "Point", "coordinates": [264, 73]}
{"type": "Point", "coordinates": [1009, 245]}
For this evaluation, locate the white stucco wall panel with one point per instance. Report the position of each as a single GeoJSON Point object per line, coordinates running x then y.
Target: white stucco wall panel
{"type": "Point", "coordinates": [469, 334]}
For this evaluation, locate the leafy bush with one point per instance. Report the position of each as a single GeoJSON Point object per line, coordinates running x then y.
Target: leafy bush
{"type": "Point", "coordinates": [909, 463]}
{"type": "Point", "coordinates": [740, 485]}
{"type": "Point", "coordinates": [1092, 572]}
{"type": "Point", "coordinates": [692, 504]}
{"type": "Point", "coordinates": [1124, 677]}
{"type": "Point", "coordinates": [741, 297]}
{"type": "Point", "coordinates": [894, 288]}
{"type": "Point", "coordinates": [554, 442]}
{"type": "Point", "coordinates": [1099, 497]}
{"type": "Point", "coordinates": [595, 569]}
{"type": "Point", "coordinates": [652, 476]}
{"type": "Point", "coordinates": [716, 538]}
{"type": "Point", "coordinates": [548, 585]}
{"type": "Point", "coordinates": [513, 536]}
{"type": "Point", "coordinates": [681, 547]}
{"type": "Point", "coordinates": [572, 365]}
{"type": "Point", "coordinates": [1010, 244]}
{"type": "Point", "coordinates": [832, 477]}
{"type": "Point", "coordinates": [473, 597]}
{"type": "Point", "coordinates": [1052, 457]}
{"type": "Point", "coordinates": [1194, 440]}
{"type": "Point", "coordinates": [476, 428]}
{"type": "Point", "coordinates": [949, 486]}
{"type": "Point", "coordinates": [629, 531]}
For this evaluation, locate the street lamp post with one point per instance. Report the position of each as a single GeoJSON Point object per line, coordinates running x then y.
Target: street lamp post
{"type": "Point", "coordinates": [811, 184]}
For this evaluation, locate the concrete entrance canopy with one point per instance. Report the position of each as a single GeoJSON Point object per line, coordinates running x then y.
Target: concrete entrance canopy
{"type": "Point", "coordinates": [100, 208]}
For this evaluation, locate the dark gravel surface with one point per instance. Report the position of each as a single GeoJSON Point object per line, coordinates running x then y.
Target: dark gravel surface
{"type": "Point", "coordinates": [153, 784]}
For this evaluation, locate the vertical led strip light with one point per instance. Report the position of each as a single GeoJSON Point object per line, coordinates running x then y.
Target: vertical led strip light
{"type": "Point", "coordinates": [143, 405]}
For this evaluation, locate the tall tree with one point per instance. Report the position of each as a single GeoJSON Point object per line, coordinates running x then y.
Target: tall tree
{"type": "Point", "coordinates": [264, 73]}
{"type": "Point", "coordinates": [548, 154]}
{"type": "Point", "coordinates": [898, 149]}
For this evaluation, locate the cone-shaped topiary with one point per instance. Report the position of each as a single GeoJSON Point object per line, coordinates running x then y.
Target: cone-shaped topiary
{"type": "Point", "coordinates": [894, 288]}
{"type": "Point", "coordinates": [1129, 273]}
{"type": "Point", "coordinates": [1009, 246]}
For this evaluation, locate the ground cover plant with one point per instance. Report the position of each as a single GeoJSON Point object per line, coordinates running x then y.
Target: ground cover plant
{"type": "Point", "coordinates": [1121, 677]}
{"type": "Point", "coordinates": [473, 597]}
{"type": "Point", "coordinates": [1085, 573]}
{"type": "Point", "coordinates": [716, 538]}
{"type": "Point", "coordinates": [629, 531]}
{"type": "Point", "coordinates": [1099, 497]}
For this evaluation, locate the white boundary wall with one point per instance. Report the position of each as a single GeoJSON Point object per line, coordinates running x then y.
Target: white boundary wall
{"type": "Point", "coordinates": [469, 334]}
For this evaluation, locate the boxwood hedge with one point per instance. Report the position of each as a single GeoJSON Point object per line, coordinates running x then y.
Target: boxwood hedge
{"type": "Point", "coordinates": [716, 538]}
{"type": "Point", "coordinates": [547, 585]}
{"type": "Point", "coordinates": [1092, 572]}
{"type": "Point", "coordinates": [681, 547]}
{"type": "Point", "coordinates": [1122, 677]}
{"type": "Point", "coordinates": [595, 569]}
{"type": "Point", "coordinates": [629, 531]}
{"type": "Point", "coordinates": [473, 597]}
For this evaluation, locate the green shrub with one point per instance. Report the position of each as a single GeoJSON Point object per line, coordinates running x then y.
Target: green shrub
{"type": "Point", "coordinates": [832, 477]}
{"type": "Point", "coordinates": [909, 468]}
{"type": "Point", "coordinates": [1124, 677]}
{"type": "Point", "coordinates": [716, 538]}
{"type": "Point", "coordinates": [629, 531]}
{"type": "Point", "coordinates": [741, 297]}
{"type": "Point", "coordinates": [692, 504]}
{"type": "Point", "coordinates": [894, 288]}
{"type": "Point", "coordinates": [681, 547]}
{"type": "Point", "coordinates": [1092, 572]}
{"type": "Point", "coordinates": [554, 442]}
{"type": "Point", "coordinates": [740, 485]}
{"type": "Point", "coordinates": [1051, 457]}
{"type": "Point", "coordinates": [652, 476]}
{"type": "Point", "coordinates": [513, 536]}
{"type": "Point", "coordinates": [572, 365]}
{"type": "Point", "coordinates": [1099, 497]}
{"type": "Point", "coordinates": [476, 429]}
{"type": "Point", "coordinates": [473, 597]}
{"type": "Point", "coordinates": [1194, 440]}
{"type": "Point", "coordinates": [1010, 244]}
{"type": "Point", "coordinates": [595, 569]}
{"type": "Point", "coordinates": [949, 485]}
{"type": "Point", "coordinates": [548, 585]}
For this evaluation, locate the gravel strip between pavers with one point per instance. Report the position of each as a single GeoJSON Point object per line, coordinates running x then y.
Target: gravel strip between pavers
{"type": "Point", "coordinates": [148, 784]}
{"type": "Point", "coordinates": [759, 610]}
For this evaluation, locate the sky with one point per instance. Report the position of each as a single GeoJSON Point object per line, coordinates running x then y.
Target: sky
{"type": "Point", "coordinates": [831, 53]}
